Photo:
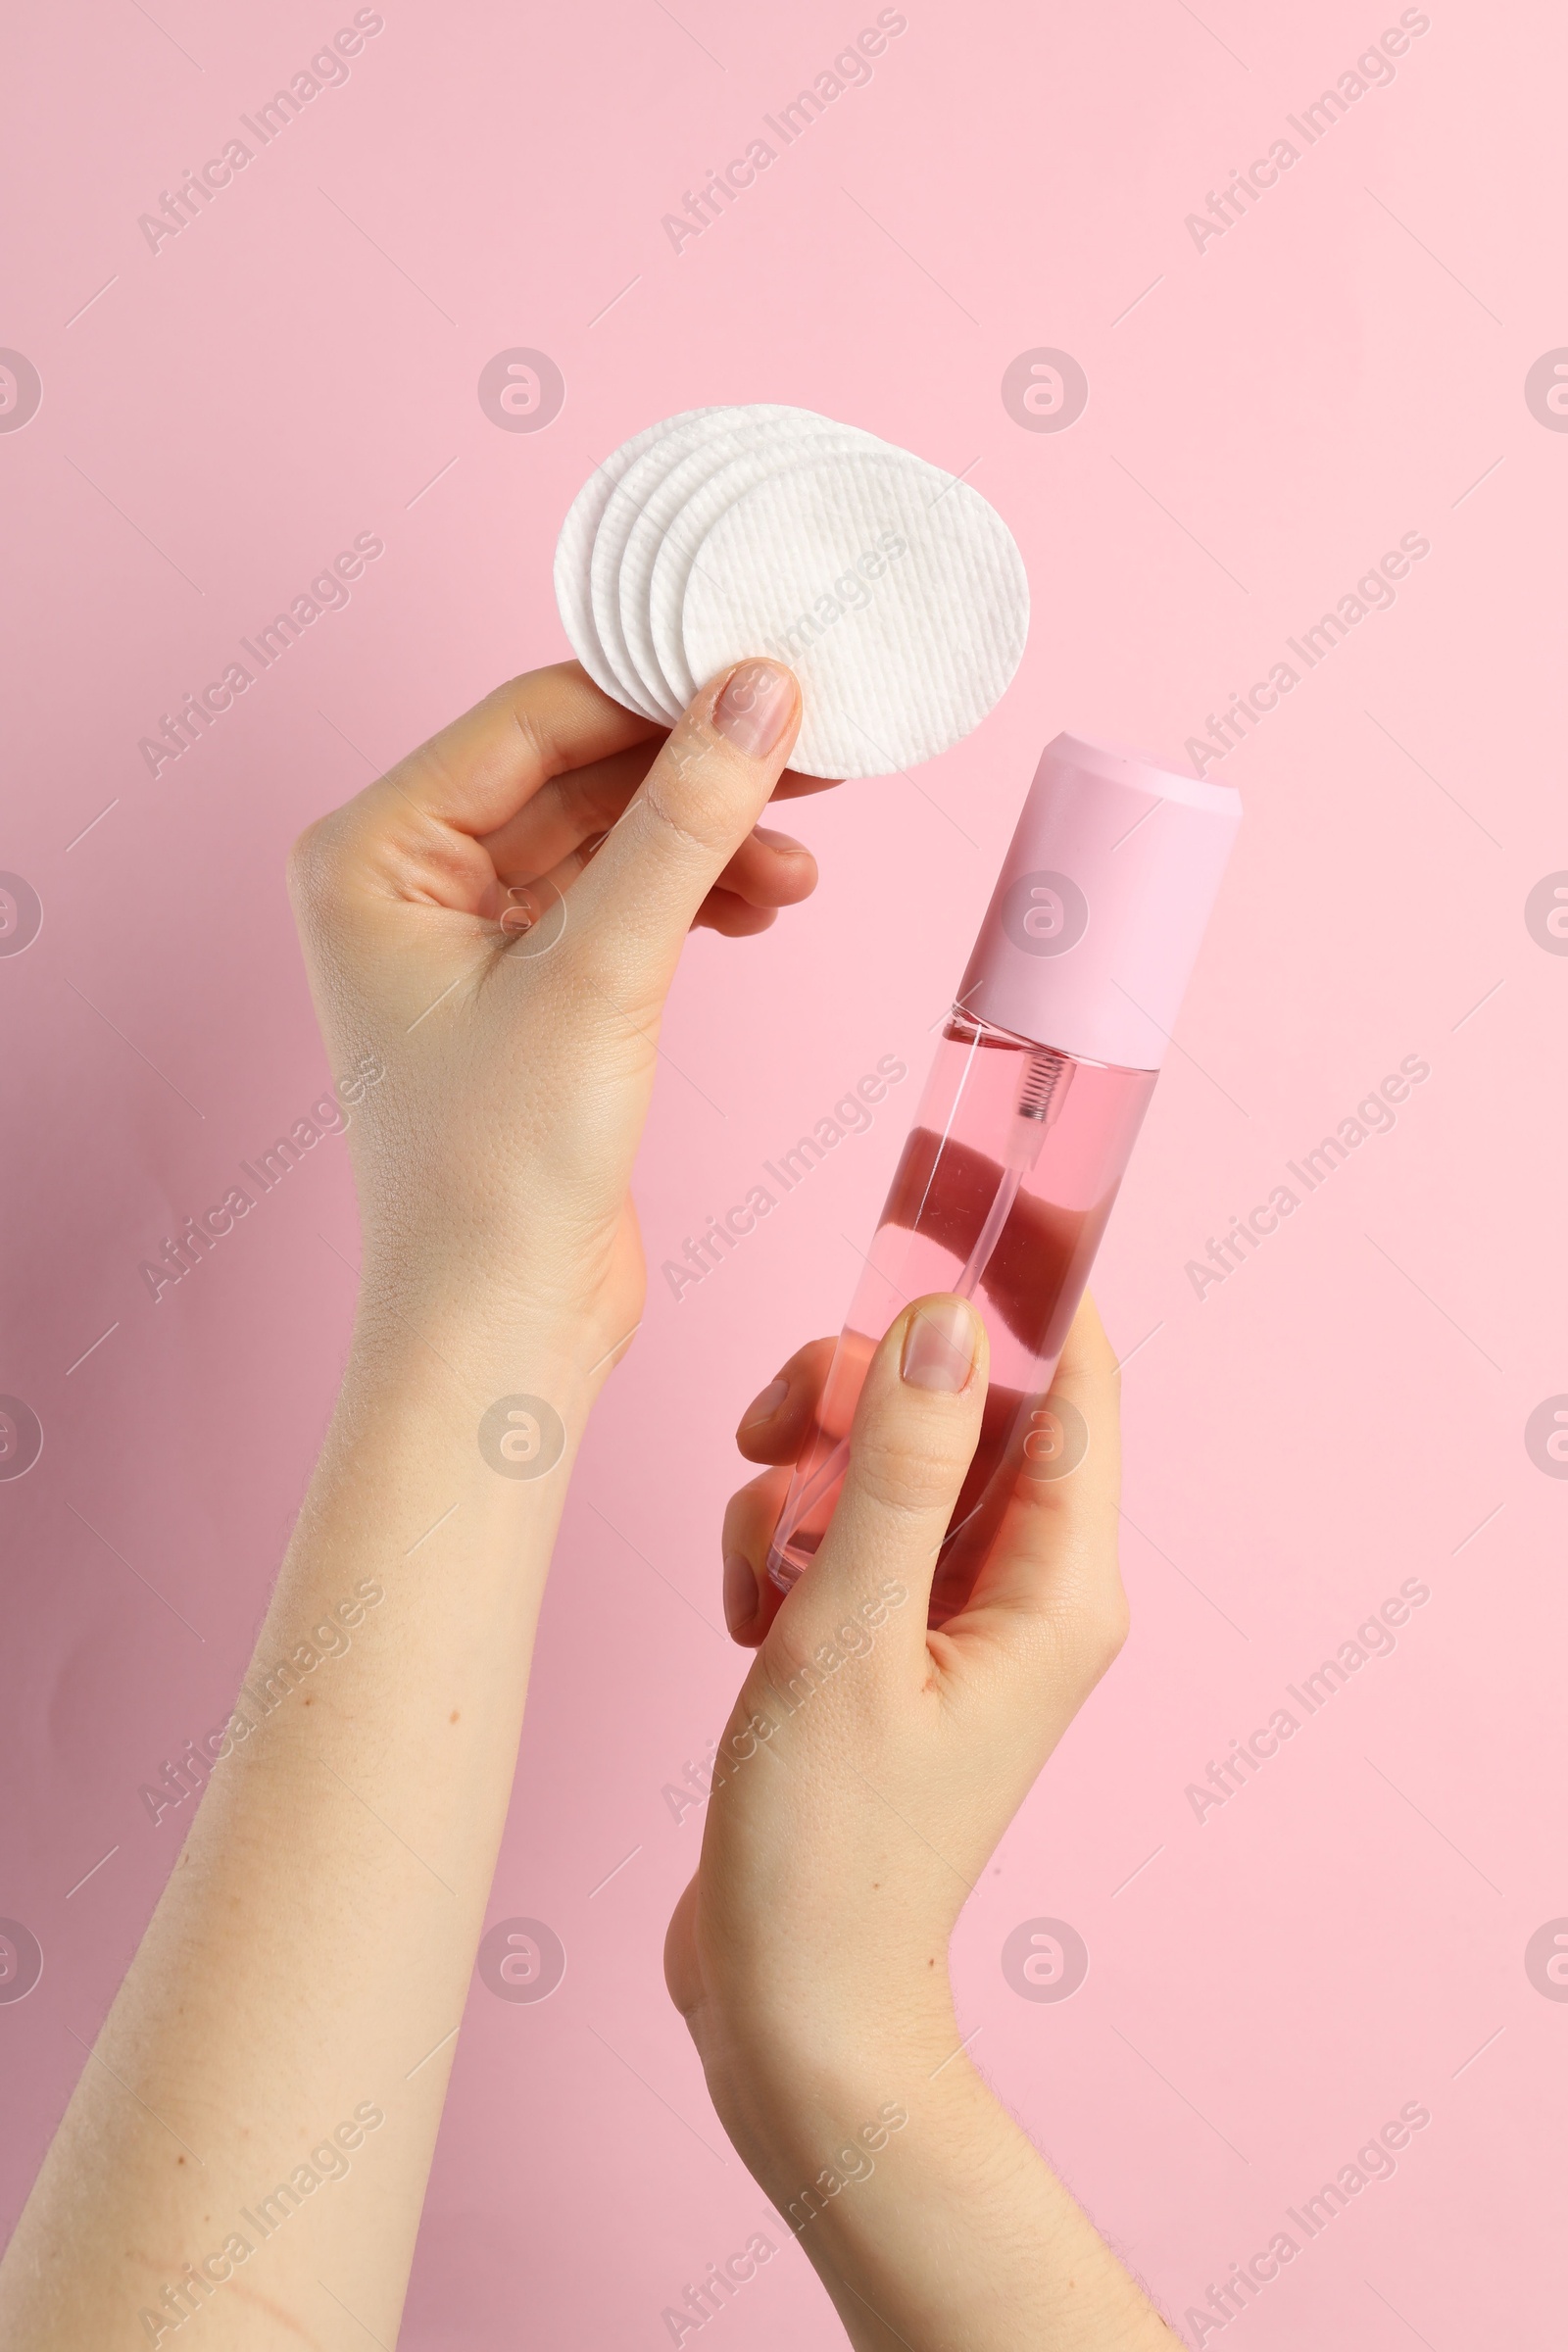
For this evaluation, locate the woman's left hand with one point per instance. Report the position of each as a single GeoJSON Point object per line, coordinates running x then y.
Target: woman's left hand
{"type": "Point", "coordinates": [494, 925]}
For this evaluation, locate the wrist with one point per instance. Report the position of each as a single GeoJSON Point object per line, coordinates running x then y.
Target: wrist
{"type": "Point", "coordinates": [815, 2141]}
{"type": "Point", "coordinates": [787, 2078]}
{"type": "Point", "coordinates": [486, 1322]}
{"type": "Point", "coordinates": [445, 1402]}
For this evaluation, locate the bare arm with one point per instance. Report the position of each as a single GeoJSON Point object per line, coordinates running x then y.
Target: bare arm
{"type": "Point", "coordinates": [868, 1770]}
{"type": "Point", "coordinates": [252, 2135]}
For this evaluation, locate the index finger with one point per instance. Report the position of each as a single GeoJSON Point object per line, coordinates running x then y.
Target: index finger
{"type": "Point", "coordinates": [477, 772]}
{"type": "Point", "coordinates": [573, 805]}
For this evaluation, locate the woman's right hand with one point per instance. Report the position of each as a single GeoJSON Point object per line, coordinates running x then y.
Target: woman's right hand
{"type": "Point", "coordinates": [866, 1773]}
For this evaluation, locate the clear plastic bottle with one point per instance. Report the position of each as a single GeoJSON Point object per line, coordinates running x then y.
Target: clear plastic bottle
{"type": "Point", "coordinates": [1001, 1195]}
{"type": "Point", "coordinates": [1019, 1145]}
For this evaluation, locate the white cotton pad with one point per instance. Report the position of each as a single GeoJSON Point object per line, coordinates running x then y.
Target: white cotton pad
{"type": "Point", "coordinates": [892, 590]}
{"type": "Point", "coordinates": [690, 525]}
{"type": "Point", "coordinates": [574, 547]}
{"type": "Point", "coordinates": [775, 437]}
{"type": "Point", "coordinates": [673, 441]}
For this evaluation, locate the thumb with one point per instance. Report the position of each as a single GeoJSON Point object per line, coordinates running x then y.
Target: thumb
{"type": "Point", "coordinates": [916, 1429]}
{"type": "Point", "coordinates": [700, 797]}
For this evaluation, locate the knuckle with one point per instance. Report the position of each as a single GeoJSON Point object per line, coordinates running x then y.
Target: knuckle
{"type": "Point", "coordinates": [687, 811]}
{"type": "Point", "coordinates": [909, 1469]}
{"type": "Point", "coordinates": [684, 828]}
{"type": "Point", "coordinates": [689, 791]}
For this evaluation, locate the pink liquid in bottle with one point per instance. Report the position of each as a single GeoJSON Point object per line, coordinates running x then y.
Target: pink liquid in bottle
{"type": "Point", "coordinates": [1041, 1080]}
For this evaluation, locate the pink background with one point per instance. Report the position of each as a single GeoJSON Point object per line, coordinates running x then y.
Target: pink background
{"type": "Point", "coordinates": [1346, 1412]}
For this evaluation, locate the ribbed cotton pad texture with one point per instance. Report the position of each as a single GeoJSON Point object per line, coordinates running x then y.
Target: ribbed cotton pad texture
{"type": "Point", "coordinates": [895, 593]}
{"type": "Point", "coordinates": [892, 590]}
{"type": "Point", "coordinates": [625, 503]}
{"type": "Point", "coordinates": [769, 437]}
{"type": "Point", "coordinates": [575, 546]}
{"type": "Point", "coordinates": [690, 526]}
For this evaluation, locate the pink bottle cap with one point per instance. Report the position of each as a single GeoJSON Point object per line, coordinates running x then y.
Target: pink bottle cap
{"type": "Point", "coordinates": [1094, 923]}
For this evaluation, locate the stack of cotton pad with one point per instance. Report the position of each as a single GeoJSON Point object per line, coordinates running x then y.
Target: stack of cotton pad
{"type": "Point", "coordinates": [890, 588]}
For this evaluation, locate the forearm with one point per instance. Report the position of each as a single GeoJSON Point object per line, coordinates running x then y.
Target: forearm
{"type": "Point", "coordinates": [310, 1958]}
{"type": "Point", "coordinates": [932, 2221]}
{"type": "Point", "coordinates": [307, 1966]}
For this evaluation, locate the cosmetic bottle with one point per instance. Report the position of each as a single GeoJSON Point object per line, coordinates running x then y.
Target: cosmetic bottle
{"type": "Point", "coordinates": [1044, 1068]}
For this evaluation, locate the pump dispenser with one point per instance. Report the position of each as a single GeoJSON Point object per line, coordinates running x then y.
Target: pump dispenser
{"type": "Point", "coordinates": [1045, 1069]}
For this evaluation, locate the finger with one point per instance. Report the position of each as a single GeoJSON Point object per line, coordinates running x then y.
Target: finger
{"type": "Point", "coordinates": [537, 767]}
{"type": "Point", "coordinates": [701, 795]}
{"type": "Point", "coordinates": [773, 1426]}
{"type": "Point", "coordinates": [770, 869]}
{"type": "Point", "coordinates": [913, 1438]}
{"type": "Point", "coordinates": [751, 1599]}
{"type": "Point", "coordinates": [568, 809]}
{"type": "Point", "coordinates": [519, 907]}
{"type": "Point", "coordinates": [414, 836]}
{"type": "Point", "coordinates": [734, 918]}
{"type": "Point", "coordinates": [565, 811]}
{"type": "Point", "coordinates": [477, 772]}
{"type": "Point", "coordinates": [767, 871]}
{"type": "Point", "coordinates": [1052, 1568]}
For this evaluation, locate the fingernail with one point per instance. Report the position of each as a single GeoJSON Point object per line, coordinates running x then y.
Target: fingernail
{"type": "Point", "coordinates": [740, 1592]}
{"type": "Point", "coordinates": [939, 1347]}
{"type": "Point", "coordinates": [754, 707]}
{"type": "Point", "coordinates": [764, 1407]}
{"type": "Point", "coordinates": [779, 841]}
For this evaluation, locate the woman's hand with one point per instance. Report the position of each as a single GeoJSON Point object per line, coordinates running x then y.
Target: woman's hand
{"type": "Point", "coordinates": [867, 1771]}
{"type": "Point", "coordinates": [895, 1755]}
{"type": "Point", "coordinates": [309, 1959]}
{"type": "Point", "coordinates": [494, 923]}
